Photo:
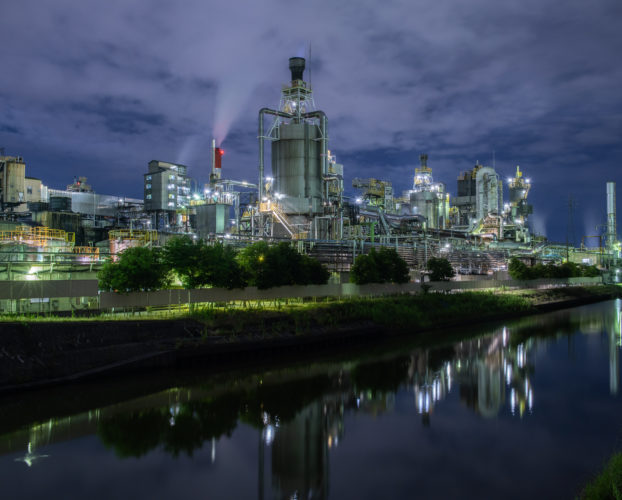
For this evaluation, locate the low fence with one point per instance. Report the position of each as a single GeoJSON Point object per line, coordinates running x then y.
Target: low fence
{"type": "Point", "coordinates": [14, 290]}
{"type": "Point", "coordinates": [110, 300]}
{"type": "Point", "coordinates": [87, 291]}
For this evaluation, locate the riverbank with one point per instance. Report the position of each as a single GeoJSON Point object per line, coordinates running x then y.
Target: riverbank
{"type": "Point", "coordinates": [36, 353]}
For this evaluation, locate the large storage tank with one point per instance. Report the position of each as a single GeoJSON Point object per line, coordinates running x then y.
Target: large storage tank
{"type": "Point", "coordinates": [297, 167]}
{"type": "Point", "coordinates": [12, 180]}
{"type": "Point", "coordinates": [426, 203]}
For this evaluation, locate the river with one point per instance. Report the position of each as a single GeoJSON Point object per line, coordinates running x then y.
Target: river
{"type": "Point", "coordinates": [526, 409]}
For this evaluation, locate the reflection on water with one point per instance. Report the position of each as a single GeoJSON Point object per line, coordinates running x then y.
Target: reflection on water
{"type": "Point", "coordinates": [299, 415]}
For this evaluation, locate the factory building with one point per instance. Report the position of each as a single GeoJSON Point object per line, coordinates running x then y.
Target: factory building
{"type": "Point", "coordinates": [428, 198]}
{"type": "Point", "coordinates": [480, 194]}
{"type": "Point", "coordinates": [300, 198]}
{"type": "Point", "coordinates": [166, 187]}
{"type": "Point", "coordinates": [167, 194]}
{"type": "Point", "coordinates": [303, 196]}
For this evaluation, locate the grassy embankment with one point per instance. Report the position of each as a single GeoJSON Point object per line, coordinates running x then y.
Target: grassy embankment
{"type": "Point", "coordinates": [416, 312]}
{"type": "Point", "coordinates": [412, 312]}
{"type": "Point", "coordinates": [608, 484]}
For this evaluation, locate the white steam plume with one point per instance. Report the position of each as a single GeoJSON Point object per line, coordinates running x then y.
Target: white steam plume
{"type": "Point", "coordinates": [231, 99]}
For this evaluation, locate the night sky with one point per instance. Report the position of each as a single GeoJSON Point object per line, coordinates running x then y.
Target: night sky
{"type": "Point", "coordinates": [101, 88]}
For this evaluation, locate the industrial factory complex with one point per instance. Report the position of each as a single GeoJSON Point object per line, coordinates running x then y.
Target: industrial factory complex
{"type": "Point", "coordinates": [60, 234]}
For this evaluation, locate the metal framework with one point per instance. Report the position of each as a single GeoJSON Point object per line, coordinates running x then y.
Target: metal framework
{"type": "Point", "coordinates": [38, 236]}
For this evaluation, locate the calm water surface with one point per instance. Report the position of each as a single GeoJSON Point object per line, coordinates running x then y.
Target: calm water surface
{"type": "Point", "coordinates": [528, 409]}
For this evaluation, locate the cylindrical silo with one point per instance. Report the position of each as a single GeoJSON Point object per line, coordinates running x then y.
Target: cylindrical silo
{"type": "Point", "coordinates": [297, 162]}
{"type": "Point", "coordinates": [426, 203]}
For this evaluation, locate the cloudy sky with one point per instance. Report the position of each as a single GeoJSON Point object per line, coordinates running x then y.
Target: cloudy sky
{"type": "Point", "coordinates": [101, 88]}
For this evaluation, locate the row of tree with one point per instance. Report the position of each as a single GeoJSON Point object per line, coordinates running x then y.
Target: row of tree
{"type": "Point", "coordinates": [520, 271]}
{"type": "Point", "coordinates": [197, 265]}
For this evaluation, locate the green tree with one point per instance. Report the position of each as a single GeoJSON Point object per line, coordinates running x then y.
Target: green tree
{"type": "Point", "coordinates": [186, 258]}
{"type": "Point", "coordinates": [251, 261]}
{"type": "Point", "coordinates": [198, 264]}
{"type": "Point", "coordinates": [220, 267]}
{"type": "Point", "coordinates": [440, 269]}
{"type": "Point", "coordinates": [518, 270]}
{"type": "Point", "coordinates": [365, 270]}
{"type": "Point", "coordinates": [382, 266]}
{"type": "Point", "coordinates": [590, 271]}
{"type": "Point", "coordinates": [267, 266]}
{"type": "Point", "coordinates": [313, 272]}
{"type": "Point", "coordinates": [138, 268]}
{"type": "Point", "coordinates": [393, 268]}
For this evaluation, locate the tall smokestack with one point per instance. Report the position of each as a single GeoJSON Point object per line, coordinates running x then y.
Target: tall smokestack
{"type": "Point", "coordinates": [297, 67]}
{"type": "Point", "coordinates": [612, 228]}
{"type": "Point", "coordinates": [217, 154]}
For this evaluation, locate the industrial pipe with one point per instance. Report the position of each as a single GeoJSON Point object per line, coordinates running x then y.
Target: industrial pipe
{"type": "Point", "coordinates": [263, 111]}
{"type": "Point", "coordinates": [324, 132]}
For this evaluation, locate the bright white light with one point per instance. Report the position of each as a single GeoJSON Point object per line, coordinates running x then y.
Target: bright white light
{"type": "Point", "coordinates": [268, 434]}
{"type": "Point", "coordinates": [359, 201]}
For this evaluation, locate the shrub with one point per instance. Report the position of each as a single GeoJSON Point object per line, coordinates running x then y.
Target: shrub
{"type": "Point", "coordinates": [519, 271]}
{"type": "Point", "coordinates": [384, 265]}
{"type": "Point", "coordinates": [137, 269]}
{"type": "Point", "coordinates": [199, 265]}
{"type": "Point", "coordinates": [440, 269]}
{"type": "Point", "coordinates": [608, 484]}
{"type": "Point", "coordinates": [267, 266]}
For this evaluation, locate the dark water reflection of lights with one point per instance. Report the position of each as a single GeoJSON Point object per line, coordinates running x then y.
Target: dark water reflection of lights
{"type": "Point", "coordinates": [536, 398]}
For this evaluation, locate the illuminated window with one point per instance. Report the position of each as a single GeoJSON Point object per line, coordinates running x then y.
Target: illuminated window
{"type": "Point", "coordinates": [171, 177]}
{"type": "Point", "coordinates": [171, 196]}
{"type": "Point", "coordinates": [148, 196]}
{"type": "Point", "coordinates": [148, 178]}
{"type": "Point", "coordinates": [171, 204]}
{"type": "Point", "coordinates": [148, 186]}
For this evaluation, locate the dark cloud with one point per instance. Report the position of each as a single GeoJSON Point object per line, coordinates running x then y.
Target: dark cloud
{"type": "Point", "coordinates": [9, 129]}
{"type": "Point", "coordinates": [535, 81]}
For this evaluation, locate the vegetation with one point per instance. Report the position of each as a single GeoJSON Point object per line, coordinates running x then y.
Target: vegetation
{"type": "Point", "coordinates": [608, 484]}
{"type": "Point", "coordinates": [440, 269]}
{"type": "Point", "coordinates": [267, 266]}
{"type": "Point", "coordinates": [138, 269]}
{"type": "Point", "coordinates": [401, 311]}
{"type": "Point", "coordinates": [200, 265]}
{"type": "Point", "coordinates": [382, 266]}
{"type": "Point", "coordinates": [520, 271]}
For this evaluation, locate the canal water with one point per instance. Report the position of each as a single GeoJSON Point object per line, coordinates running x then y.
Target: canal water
{"type": "Point", "coordinates": [526, 409]}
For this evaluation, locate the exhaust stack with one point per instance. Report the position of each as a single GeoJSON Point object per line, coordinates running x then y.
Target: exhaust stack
{"type": "Point", "coordinates": [612, 228]}
{"type": "Point", "coordinates": [297, 67]}
{"type": "Point", "coordinates": [217, 154]}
